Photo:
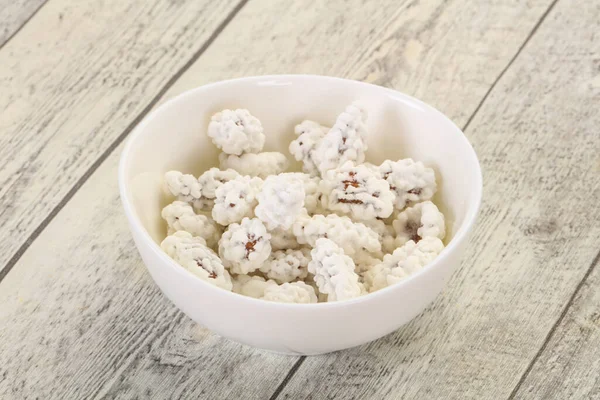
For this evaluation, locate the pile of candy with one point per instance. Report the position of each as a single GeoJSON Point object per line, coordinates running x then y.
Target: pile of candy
{"type": "Point", "coordinates": [340, 229]}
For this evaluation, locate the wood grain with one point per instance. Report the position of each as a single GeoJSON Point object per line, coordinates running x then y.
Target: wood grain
{"type": "Point", "coordinates": [15, 13]}
{"type": "Point", "coordinates": [568, 367]}
{"type": "Point", "coordinates": [445, 53]}
{"type": "Point", "coordinates": [72, 81]}
{"type": "Point", "coordinates": [537, 138]}
{"type": "Point", "coordinates": [80, 317]}
{"type": "Point", "coordinates": [83, 319]}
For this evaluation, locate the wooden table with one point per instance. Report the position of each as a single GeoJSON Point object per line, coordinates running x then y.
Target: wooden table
{"type": "Point", "coordinates": [81, 318]}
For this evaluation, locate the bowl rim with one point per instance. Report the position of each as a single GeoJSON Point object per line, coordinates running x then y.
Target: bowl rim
{"type": "Point", "coordinates": [135, 224]}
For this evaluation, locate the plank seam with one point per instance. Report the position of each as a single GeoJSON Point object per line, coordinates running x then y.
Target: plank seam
{"type": "Point", "coordinates": [550, 334]}
{"type": "Point", "coordinates": [12, 35]}
{"type": "Point", "coordinates": [287, 378]}
{"type": "Point", "coordinates": [81, 181]}
{"type": "Point", "coordinates": [512, 60]}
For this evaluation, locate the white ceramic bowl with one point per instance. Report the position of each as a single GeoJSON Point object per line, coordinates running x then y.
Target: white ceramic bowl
{"type": "Point", "coordinates": [174, 137]}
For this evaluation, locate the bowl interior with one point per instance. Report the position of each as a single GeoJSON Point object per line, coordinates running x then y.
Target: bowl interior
{"type": "Point", "coordinates": [174, 137]}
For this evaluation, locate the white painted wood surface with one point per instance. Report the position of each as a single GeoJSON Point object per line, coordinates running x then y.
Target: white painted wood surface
{"type": "Point", "coordinates": [568, 367]}
{"type": "Point", "coordinates": [81, 318]}
{"type": "Point", "coordinates": [73, 80]}
{"type": "Point", "coordinates": [14, 14]}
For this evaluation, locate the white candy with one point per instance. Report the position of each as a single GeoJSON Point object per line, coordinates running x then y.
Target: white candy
{"type": "Point", "coordinates": [282, 239]}
{"type": "Point", "coordinates": [193, 254]}
{"type": "Point", "coordinates": [405, 261]}
{"type": "Point", "coordinates": [411, 181]}
{"type": "Point", "coordinates": [280, 201]}
{"type": "Point", "coordinates": [236, 132]}
{"type": "Point", "coordinates": [303, 148]}
{"type": "Point", "coordinates": [351, 236]}
{"type": "Point", "coordinates": [379, 226]}
{"type": "Point", "coordinates": [212, 179]}
{"type": "Point", "coordinates": [334, 271]}
{"type": "Point", "coordinates": [178, 240]}
{"type": "Point", "coordinates": [252, 286]}
{"type": "Point", "coordinates": [236, 199]}
{"type": "Point", "coordinates": [387, 235]}
{"type": "Point", "coordinates": [357, 191]}
{"type": "Point", "coordinates": [371, 167]}
{"type": "Point", "coordinates": [312, 191]}
{"type": "Point", "coordinates": [287, 265]}
{"type": "Point", "coordinates": [390, 242]}
{"type": "Point", "coordinates": [272, 224]}
{"type": "Point", "coordinates": [245, 247]}
{"type": "Point", "coordinates": [309, 280]}
{"type": "Point", "coordinates": [345, 141]}
{"type": "Point", "coordinates": [260, 164]}
{"type": "Point", "coordinates": [186, 188]}
{"type": "Point", "coordinates": [307, 126]}
{"type": "Point", "coordinates": [312, 201]}
{"type": "Point", "coordinates": [295, 292]}
{"type": "Point", "coordinates": [180, 216]}
{"type": "Point", "coordinates": [365, 261]}
{"type": "Point", "coordinates": [418, 222]}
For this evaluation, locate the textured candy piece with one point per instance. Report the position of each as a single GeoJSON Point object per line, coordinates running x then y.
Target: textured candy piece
{"type": "Point", "coordinates": [244, 247]}
{"type": "Point", "coordinates": [193, 254]}
{"type": "Point", "coordinates": [405, 261]}
{"type": "Point", "coordinates": [345, 141]}
{"type": "Point", "coordinates": [252, 286]}
{"type": "Point", "coordinates": [303, 148]}
{"type": "Point", "coordinates": [365, 261]}
{"type": "Point", "coordinates": [236, 132]}
{"type": "Point", "coordinates": [186, 188]}
{"type": "Point", "coordinates": [418, 222]}
{"type": "Point", "coordinates": [334, 271]}
{"type": "Point", "coordinates": [312, 191]}
{"type": "Point", "coordinates": [386, 232]}
{"type": "Point", "coordinates": [280, 201]}
{"type": "Point", "coordinates": [309, 280]}
{"type": "Point", "coordinates": [389, 243]}
{"type": "Point", "coordinates": [295, 292]}
{"type": "Point", "coordinates": [287, 265]}
{"type": "Point", "coordinates": [312, 199]}
{"type": "Point", "coordinates": [374, 278]}
{"type": "Point", "coordinates": [308, 126]}
{"type": "Point", "coordinates": [353, 237]}
{"type": "Point", "coordinates": [357, 191]}
{"type": "Point", "coordinates": [180, 216]}
{"type": "Point", "coordinates": [379, 226]}
{"type": "Point", "coordinates": [282, 239]}
{"type": "Point", "coordinates": [180, 239]}
{"type": "Point", "coordinates": [371, 167]}
{"type": "Point", "coordinates": [260, 164]}
{"type": "Point", "coordinates": [236, 199]}
{"type": "Point", "coordinates": [213, 178]}
{"type": "Point", "coordinates": [411, 181]}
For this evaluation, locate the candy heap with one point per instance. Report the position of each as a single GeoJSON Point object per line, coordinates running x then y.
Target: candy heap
{"type": "Point", "coordinates": [340, 229]}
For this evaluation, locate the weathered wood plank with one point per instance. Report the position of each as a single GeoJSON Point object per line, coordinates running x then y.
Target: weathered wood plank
{"type": "Point", "coordinates": [83, 319]}
{"type": "Point", "coordinates": [568, 367]}
{"type": "Point", "coordinates": [82, 293]}
{"type": "Point", "coordinates": [446, 53]}
{"type": "Point", "coordinates": [15, 13]}
{"type": "Point", "coordinates": [72, 80]}
{"type": "Point", "coordinates": [537, 137]}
